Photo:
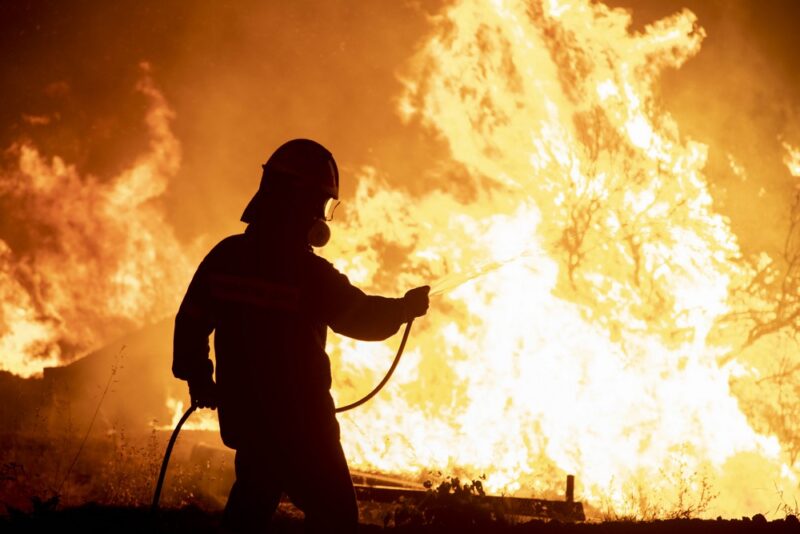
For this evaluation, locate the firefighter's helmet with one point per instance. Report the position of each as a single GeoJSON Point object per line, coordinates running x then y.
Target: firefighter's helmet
{"type": "Point", "coordinates": [300, 163]}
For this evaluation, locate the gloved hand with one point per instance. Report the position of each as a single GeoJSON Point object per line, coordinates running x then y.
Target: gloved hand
{"type": "Point", "coordinates": [203, 392]}
{"type": "Point", "coordinates": [415, 302]}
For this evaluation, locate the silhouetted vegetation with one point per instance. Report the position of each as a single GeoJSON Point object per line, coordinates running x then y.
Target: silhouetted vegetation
{"type": "Point", "coordinates": [95, 518]}
{"type": "Point", "coordinates": [763, 328]}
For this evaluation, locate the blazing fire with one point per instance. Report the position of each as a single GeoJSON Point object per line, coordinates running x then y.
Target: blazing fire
{"type": "Point", "coordinates": [598, 350]}
{"type": "Point", "coordinates": [96, 258]}
{"type": "Point", "coordinates": [584, 281]}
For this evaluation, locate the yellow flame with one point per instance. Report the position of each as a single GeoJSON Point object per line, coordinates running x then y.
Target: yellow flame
{"type": "Point", "coordinates": [200, 420]}
{"type": "Point", "coordinates": [792, 159]}
{"type": "Point", "coordinates": [592, 354]}
{"type": "Point", "coordinates": [579, 289]}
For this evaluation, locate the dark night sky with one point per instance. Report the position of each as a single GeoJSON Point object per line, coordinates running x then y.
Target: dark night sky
{"type": "Point", "coordinates": [244, 76]}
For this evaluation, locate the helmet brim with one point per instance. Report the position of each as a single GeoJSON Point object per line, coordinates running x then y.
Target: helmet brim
{"type": "Point", "coordinates": [250, 213]}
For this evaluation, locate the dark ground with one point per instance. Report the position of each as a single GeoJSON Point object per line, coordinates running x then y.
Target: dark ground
{"type": "Point", "coordinates": [95, 518]}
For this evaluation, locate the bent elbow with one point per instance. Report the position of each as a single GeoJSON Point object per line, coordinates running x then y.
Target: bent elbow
{"type": "Point", "coordinates": [366, 333]}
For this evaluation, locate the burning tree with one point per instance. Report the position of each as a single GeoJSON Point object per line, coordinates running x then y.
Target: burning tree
{"type": "Point", "coordinates": [598, 350]}
{"type": "Point", "coordinates": [616, 308]}
{"type": "Point", "coordinates": [765, 326]}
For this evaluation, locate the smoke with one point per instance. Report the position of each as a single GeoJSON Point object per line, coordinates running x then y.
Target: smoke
{"type": "Point", "coordinates": [90, 258]}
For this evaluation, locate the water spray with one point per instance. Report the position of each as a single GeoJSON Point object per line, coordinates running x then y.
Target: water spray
{"type": "Point", "coordinates": [452, 281]}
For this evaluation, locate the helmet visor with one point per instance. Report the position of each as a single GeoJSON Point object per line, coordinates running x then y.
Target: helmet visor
{"type": "Point", "coordinates": [330, 207]}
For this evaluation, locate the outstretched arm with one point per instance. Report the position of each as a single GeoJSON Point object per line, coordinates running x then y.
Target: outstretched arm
{"type": "Point", "coordinates": [352, 313]}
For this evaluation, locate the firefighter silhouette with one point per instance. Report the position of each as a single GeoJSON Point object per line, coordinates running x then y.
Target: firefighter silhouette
{"type": "Point", "coordinates": [269, 301]}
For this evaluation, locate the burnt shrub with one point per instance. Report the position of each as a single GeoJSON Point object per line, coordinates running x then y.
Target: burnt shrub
{"type": "Point", "coordinates": [450, 505]}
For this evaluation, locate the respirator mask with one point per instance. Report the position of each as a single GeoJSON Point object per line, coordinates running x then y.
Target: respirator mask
{"type": "Point", "coordinates": [319, 233]}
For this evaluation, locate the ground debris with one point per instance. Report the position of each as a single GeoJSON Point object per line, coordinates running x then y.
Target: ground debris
{"type": "Point", "coordinates": [96, 518]}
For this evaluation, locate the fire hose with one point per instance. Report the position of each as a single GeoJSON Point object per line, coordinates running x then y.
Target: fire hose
{"type": "Point", "coordinates": [193, 407]}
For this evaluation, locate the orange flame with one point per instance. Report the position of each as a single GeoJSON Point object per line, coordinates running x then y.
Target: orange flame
{"type": "Point", "coordinates": [105, 259]}
{"type": "Point", "coordinates": [202, 420]}
{"type": "Point", "coordinates": [580, 288]}
{"type": "Point", "coordinates": [593, 353]}
{"type": "Point", "coordinates": [578, 292]}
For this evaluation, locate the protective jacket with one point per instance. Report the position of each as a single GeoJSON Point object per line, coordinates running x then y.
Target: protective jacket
{"type": "Point", "coordinates": [269, 304]}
